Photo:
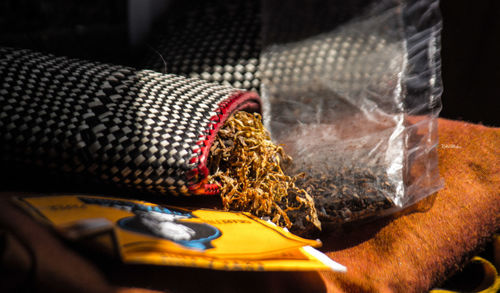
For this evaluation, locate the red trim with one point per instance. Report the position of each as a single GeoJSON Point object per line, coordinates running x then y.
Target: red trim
{"type": "Point", "coordinates": [247, 101]}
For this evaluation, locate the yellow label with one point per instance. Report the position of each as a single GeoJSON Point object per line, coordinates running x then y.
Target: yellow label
{"type": "Point", "coordinates": [164, 235]}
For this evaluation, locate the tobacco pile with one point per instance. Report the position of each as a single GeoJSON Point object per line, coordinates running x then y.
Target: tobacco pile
{"type": "Point", "coordinates": [248, 166]}
{"type": "Point", "coordinates": [349, 194]}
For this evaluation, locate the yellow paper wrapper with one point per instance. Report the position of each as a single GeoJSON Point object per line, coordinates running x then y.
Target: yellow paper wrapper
{"type": "Point", "coordinates": [145, 233]}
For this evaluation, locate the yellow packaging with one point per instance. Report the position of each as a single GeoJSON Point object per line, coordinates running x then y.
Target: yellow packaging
{"type": "Point", "coordinates": [147, 233]}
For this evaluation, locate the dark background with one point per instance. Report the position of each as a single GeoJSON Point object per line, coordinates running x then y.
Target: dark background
{"type": "Point", "coordinates": [471, 60]}
{"type": "Point", "coordinates": [98, 30]}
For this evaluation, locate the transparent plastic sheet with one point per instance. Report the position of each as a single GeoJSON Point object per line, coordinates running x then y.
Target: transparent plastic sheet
{"type": "Point", "coordinates": [352, 90]}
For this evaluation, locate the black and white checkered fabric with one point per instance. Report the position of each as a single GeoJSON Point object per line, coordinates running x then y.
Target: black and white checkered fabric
{"type": "Point", "coordinates": [134, 128]}
{"type": "Point", "coordinates": [218, 41]}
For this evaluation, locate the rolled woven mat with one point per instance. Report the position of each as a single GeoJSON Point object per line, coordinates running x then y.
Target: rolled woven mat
{"type": "Point", "coordinates": [134, 128]}
{"type": "Point", "coordinates": [217, 41]}
{"type": "Point", "coordinates": [410, 252]}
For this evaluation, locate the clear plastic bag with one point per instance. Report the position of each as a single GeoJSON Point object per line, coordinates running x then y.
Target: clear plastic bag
{"type": "Point", "coordinates": [352, 91]}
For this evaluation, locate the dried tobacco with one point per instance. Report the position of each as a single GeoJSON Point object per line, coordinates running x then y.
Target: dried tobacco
{"type": "Point", "coordinates": [348, 194]}
{"type": "Point", "coordinates": [257, 176]}
{"type": "Point", "coordinates": [248, 167]}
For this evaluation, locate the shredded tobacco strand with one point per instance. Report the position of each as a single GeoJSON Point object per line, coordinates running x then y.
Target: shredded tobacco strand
{"type": "Point", "coordinates": [248, 167]}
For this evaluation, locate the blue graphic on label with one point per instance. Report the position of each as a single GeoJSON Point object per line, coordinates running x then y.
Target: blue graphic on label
{"type": "Point", "coordinates": [161, 222]}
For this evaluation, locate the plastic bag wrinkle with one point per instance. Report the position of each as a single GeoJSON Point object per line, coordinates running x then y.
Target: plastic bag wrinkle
{"type": "Point", "coordinates": [355, 96]}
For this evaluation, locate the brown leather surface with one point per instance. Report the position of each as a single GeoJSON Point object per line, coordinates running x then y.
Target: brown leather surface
{"type": "Point", "coordinates": [419, 248]}
{"type": "Point", "coordinates": [409, 252]}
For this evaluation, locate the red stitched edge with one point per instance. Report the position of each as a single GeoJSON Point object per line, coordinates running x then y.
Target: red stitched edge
{"type": "Point", "coordinates": [198, 177]}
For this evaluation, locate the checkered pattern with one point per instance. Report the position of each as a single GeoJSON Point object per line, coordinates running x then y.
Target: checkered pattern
{"type": "Point", "coordinates": [213, 40]}
{"type": "Point", "coordinates": [133, 128]}
{"type": "Point", "coordinates": [323, 59]}
{"type": "Point", "coordinates": [348, 60]}
{"type": "Point", "coordinates": [356, 68]}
